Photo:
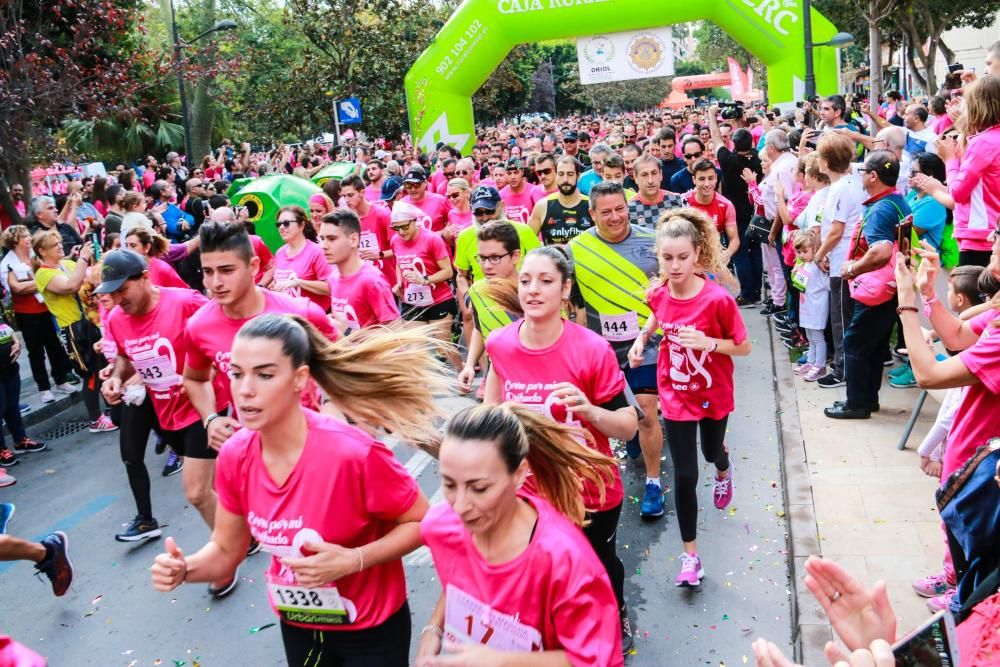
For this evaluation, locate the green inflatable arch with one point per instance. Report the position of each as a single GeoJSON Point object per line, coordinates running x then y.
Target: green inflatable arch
{"type": "Point", "coordinates": [481, 33]}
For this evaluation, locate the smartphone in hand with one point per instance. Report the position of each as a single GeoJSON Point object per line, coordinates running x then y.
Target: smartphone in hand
{"type": "Point", "coordinates": [933, 644]}
{"type": "Point", "coordinates": [904, 239]}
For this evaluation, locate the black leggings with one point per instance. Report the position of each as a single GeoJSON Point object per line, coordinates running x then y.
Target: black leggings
{"type": "Point", "coordinates": [681, 437]}
{"type": "Point", "coordinates": [386, 645]}
{"type": "Point", "coordinates": [41, 337]}
{"type": "Point", "coordinates": [136, 423]}
{"type": "Point", "coordinates": [602, 532]}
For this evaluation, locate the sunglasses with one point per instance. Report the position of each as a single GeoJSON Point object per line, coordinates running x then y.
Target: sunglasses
{"type": "Point", "coordinates": [544, 172]}
{"type": "Point", "coordinates": [483, 211]}
{"type": "Point", "coordinates": [463, 172]}
{"type": "Point", "coordinates": [286, 223]}
{"type": "Point", "coordinates": [449, 174]}
{"type": "Point", "coordinates": [402, 226]}
{"type": "Point", "coordinates": [617, 146]}
{"type": "Point", "coordinates": [691, 156]}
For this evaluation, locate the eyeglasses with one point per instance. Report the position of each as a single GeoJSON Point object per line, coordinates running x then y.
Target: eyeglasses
{"type": "Point", "coordinates": [544, 172]}
{"type": "Point", "coordinates": [400, 227]}
{"type": "Point", "coordinates": [454, 195]}
{"type": "Point", "coordinates": [480, 212]}
{"type": "Point", "coordinates": [491, 259]}
{"type": "Point", "coordinates": [692, 156]}
{"type": "Point", "coordinates": [286, 223]}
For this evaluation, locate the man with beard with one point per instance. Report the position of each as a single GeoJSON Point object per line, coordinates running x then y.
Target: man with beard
{"type": "Point", "coordinates": [565, 214]}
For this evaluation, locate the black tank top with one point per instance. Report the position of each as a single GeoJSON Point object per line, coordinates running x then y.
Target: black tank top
{"type": "Point", "coordinates": [561, 223]}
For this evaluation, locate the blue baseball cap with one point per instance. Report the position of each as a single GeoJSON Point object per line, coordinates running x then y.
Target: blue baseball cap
{"type": "Point", "coordinates": [391, 187]}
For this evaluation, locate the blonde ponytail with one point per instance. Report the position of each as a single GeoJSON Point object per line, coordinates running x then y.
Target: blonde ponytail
{"type": "Point", "coordinates": [384, 378]}
{"type": "Point", "coordinates": [558, 461]}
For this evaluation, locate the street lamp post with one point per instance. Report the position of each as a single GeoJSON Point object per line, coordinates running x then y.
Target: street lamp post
{"type": "Point", "coordinates": [841, 39]}
{"type": "Point", "coordinates": [225, 24]}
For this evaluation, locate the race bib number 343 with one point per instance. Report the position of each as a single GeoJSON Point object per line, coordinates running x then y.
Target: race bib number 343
{"type": "Point", "coordinates": [469, 621]}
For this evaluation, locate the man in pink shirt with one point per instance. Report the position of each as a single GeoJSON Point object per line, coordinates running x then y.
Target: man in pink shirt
{"type": "Point", "coordinates": [520, 196]}
{"type": "Point", "coordinates": [434, 206]}
{"type": "Point", "coordinates": [375, 172]}
{"type": "Point", "coordinates": [229, 265]}
{"type": "Point", "coordinates": [359, 294]}
{"type": "Point", "coordinates": [375, 232]}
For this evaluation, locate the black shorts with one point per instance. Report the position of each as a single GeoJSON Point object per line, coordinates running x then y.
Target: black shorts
{"type": "Point", "coordinates": [642, 380]}
{"type": "Point", "coordinates": [432, 313]}
{"type": "Point", "coordinates": [190, 441]}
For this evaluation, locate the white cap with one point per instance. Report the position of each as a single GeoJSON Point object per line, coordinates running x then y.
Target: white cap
{"type": "Point", "coordinates": [402, 210]}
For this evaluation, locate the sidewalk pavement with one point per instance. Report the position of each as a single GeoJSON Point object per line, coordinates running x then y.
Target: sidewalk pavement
{"type": "Point", "coordinates": [39, 414]}
{"type": "Point", "coordinates": [855, 498]}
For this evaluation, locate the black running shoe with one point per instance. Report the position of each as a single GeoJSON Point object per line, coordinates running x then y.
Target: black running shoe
{"type": "Point", "coordinates": [627, 640]}
{"type": "Point", "coordinates": [225, 589]}
{"type": "Point", "coordinates": [139, 529]}
{"type": "Point", "coordinates": [253, 547]}
{"type": "Point", "coordinates": [57, 565]}
{"type": "Point", "coordinates": [7, 458]}
{"type": "Point", "coordinates": [771, 310]}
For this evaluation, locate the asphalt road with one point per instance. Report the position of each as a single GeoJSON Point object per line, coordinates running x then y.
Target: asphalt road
{"type": "Point", "coordinates": [112, 616]}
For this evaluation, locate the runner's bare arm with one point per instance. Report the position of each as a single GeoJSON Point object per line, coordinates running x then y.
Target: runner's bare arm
{"type": "Point", "coordinates": [537, 215]}
{"type": "Point", "coordinates": [315, 286]}
{"type": "Point", "coordinates": [227, 548]}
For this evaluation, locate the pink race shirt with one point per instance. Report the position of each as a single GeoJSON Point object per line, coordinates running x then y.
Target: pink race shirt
{"type": "Point", "coordinates": [308, 264]}
{"type": "Point", "coordinates": [580, 357]}
{"type": "Point", "coordinates": [210, 335]}
{"type": "Point", "coordinates": [365, 298]}
{"type": "Point", "coordinates": [162, 274]}
{"type": "Point", "coordinates": [328, 497]}
{"type": "Point", "coordinates": [375, 234]}
{"type": "Point", "coordinates": [695, 384]}
{"type": "Point", "coordinates": [263, 254]}
{"type": "Point", "coordinates": [422, 255]}
{"type": "Point", "coordinates": [459, 219]}
{"type": "Point", "coordinates": [720, 210]}
{"type": "Point", "coordinates": [373, 193]}
{"type": "Point", "coordinates": [435, 208]}
{"type": "Point", "coordinates": [976, 417]}
{"type": "Point", "coordinates": [156, 345]}
{"type": "Point", "coordinates": [554, 596]}
{"type": "Point", "coordinates": [518, 205]}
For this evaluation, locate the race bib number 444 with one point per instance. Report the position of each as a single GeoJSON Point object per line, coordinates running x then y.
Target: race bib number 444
{"type": "Point", "coordinates": [621, 327]}
{"type": "Point", "coordinates": [469, 621]}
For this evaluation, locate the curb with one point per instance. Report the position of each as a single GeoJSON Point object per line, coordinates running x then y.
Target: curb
{"type": "Point", "coordinates": [811, 629]}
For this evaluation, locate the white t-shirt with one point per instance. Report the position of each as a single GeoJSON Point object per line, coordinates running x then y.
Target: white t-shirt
{"type": "Point", "coordinates": [843, 204]}
{"type": "Point", "coordinates": [920, 141]}
{"type": "Point", "coordinates": [812, 214]}
{"type": "Point", "coordinates": [11, 262]}
{"type": "Point", "coordinates": [814, 302]}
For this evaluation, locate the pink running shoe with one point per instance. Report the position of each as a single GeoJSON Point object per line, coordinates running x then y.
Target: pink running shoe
{"type": "Point", "coordinates": [933, 586]}
{"type": "Point", "coordinates": [691, 571]}
{"type": "Point", "coordinates": [802, 369]}
{"type": "Point", "coordinates": [723, 491]}
{"type": "Point", "coordinates": [941, 602]}
{"type": "Point", "coordinates": [815, 373]}
{"type": "Point", "coordinates": [102, 425]}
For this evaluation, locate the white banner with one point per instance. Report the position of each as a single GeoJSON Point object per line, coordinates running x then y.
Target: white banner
{"type": "Point", "coordinates": [621, 56]}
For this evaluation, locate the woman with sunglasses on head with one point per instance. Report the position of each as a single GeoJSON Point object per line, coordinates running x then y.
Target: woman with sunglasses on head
{"type": "Point", "coordinates": [569, 373]}
{"type": "Point", "coordinates": [299, 266]}
{"type": "Point", "coordinates": [332, 506]}
{"type": "Point", "coordinates": [521, 586]}
{"type": "Point", "coordinates": [423, 269]}
{"type": "Point", "coordinates": [319, 205]}
{"type": "Point", "coordinates": [460, 214]}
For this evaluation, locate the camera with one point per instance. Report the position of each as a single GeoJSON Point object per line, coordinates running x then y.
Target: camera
{"type": "Point", "coordinates": [731, 110]}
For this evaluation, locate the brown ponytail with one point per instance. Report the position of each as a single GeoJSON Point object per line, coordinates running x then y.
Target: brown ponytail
{"type": "Point", "coordinates": [504, 293]}
{"type": "Point", "coordinates": [381, 377]}
{"type": "Point", "coordinates": [558, 461]}
{"type": "Point", "coordinates": [158, 245]}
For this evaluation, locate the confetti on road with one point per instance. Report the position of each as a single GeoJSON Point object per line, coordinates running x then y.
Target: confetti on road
{"type": "Point", "coordinates": [254, 631]}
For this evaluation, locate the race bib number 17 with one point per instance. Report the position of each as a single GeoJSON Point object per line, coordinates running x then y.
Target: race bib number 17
{"type": "Point", "coordinates": [469, 621]}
